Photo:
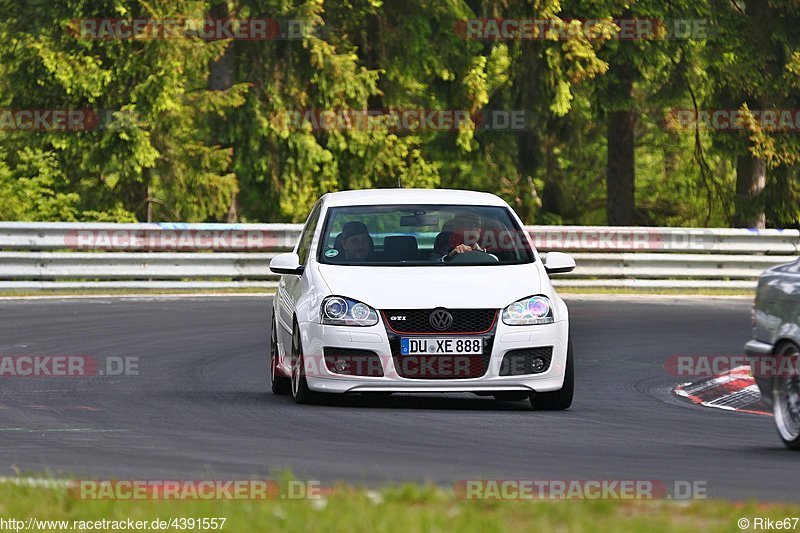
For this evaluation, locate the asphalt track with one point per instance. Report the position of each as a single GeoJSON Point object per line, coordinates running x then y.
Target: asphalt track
{"type": "Point", "coordinates": [199, 407]}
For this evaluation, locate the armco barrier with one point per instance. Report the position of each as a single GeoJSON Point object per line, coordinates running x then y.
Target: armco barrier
{"type": "Point", "coordinates": [189, 256]}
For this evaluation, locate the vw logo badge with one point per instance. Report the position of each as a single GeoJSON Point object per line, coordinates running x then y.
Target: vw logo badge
{"type": "Point", "coordinates": [441, 319]}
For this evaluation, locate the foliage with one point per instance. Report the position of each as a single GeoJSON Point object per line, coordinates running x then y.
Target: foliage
{"type": "Point", "coordinates": [171, 148]}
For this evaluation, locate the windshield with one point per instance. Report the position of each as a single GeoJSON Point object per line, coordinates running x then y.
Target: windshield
{"type": "Point", "coordinates": [422, 235]}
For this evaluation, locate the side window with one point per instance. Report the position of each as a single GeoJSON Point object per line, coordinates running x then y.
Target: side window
{"type": "Point", "coordinates": [308, 234]}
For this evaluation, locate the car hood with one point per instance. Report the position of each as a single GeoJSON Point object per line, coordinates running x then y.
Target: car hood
{"type": "Point", "coordinates": [427, 287]}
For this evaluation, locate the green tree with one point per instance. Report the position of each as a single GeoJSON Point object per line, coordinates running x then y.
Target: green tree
{"type": "Point", "coordinates": [754, 66]}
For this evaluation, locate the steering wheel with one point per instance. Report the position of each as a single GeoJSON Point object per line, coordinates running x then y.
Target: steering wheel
{"type": "Point", "coordinates": [474, 257]}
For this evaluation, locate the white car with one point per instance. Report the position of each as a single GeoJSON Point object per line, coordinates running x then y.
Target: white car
{"type": "Point", "coordinates": [419, 290]}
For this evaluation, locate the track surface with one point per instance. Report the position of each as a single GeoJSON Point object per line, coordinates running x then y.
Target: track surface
{"type": "Point", "coordinates": [199, 408]}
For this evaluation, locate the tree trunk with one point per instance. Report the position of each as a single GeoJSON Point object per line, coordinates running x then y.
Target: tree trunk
{"type": "Point", "coordinates": [620, 172]}
{"type": "Point", "coordinates": [529, 142]}
{"type": "Point", "coordinates": [233, 210]}
{"type": "Point", "coordinates": [751, 173]}
{"type": "Point", "coordinates": [672, 156]}
{"type": "Point", "coordinates": [751, 178]}
{"type": "Point", "coordinates": [553, 194]}
{"type": "Point", "coordinates": [220, 78]}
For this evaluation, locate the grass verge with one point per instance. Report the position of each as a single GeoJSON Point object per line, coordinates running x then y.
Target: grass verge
{"type": "Point", "coordinates": [401, 508]}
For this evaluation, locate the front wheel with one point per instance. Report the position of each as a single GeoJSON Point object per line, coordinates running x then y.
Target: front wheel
{"type": "Point", "coordinates": [562, 398]}
{"type": "Point", "coordinates": [786, 401]}
{"type": "Point", "coordinates": [300, 391]}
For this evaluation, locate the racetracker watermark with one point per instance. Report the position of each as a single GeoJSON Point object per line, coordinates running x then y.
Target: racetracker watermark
{"type": "Point", "coordinates": [207, 489]}
{"type": "Point", "coordinates": [177, 239]}
{"type": "Point", "coordinates": [579, 489]}
{"type": "Point", "coordinates": [210, 29]}
{"type": "Point", "coordinates": [625, 29]}
{"type": "Point", "coordinates": [399, 120]}
{"type": "Point", "coordinates": [579, 238]}
{"type": "Point", "coordinates": [777, 120]}
{"type": "Point", "coordinates": [717, 365]}
{"type": "Point", "coordinates": [345, 364]}
{"type": "Point", "coordinates": [67, 120]}
{"type": "Point", "coordinates": [126, 524]}
{"type": "Point", "coordinates": [69, 366]}
{"type": "Point", "coordinates": [613, 239]}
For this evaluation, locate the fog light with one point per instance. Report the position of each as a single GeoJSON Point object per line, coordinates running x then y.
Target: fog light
{"type": "Point", "coordinates": [537, 365]}
{"type": "Point", "coordinates": [341, 365]}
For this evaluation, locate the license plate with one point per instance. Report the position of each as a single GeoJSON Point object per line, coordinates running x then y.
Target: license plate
{"type": "Point", "coordinates": [441, 346]}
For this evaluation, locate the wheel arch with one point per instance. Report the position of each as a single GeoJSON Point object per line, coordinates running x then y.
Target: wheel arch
{"type": "Point", "coordinates": [782, 342]}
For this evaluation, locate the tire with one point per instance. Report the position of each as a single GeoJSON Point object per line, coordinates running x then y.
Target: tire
{"type": "Point", "coordinates": [511, 396]}
{"type": "Point", "coordinates": [786, 401]}
{"type": "Point", "coordinates": [280, 385]}
{"type": "Point", "coordinates": [300, 391]}
{"type": "Point", "coordinates": [561, 399]}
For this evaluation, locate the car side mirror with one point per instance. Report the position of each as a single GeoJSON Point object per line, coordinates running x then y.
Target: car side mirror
{"type": "Point", "coordinates": [288, 263]}
{"type": "Point", "coordinates": [558, 263]}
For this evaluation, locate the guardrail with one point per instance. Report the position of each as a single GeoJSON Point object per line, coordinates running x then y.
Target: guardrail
{"type": "Point", "coordinates": [188, 256]}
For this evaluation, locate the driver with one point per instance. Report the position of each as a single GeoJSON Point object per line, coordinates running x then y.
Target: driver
{"type": "Point", "coordinates": [457, 230]}
{"type": "Point", "coordinates": [356, 241]}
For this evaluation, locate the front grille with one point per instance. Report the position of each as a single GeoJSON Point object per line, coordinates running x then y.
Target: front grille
{"type": "Point", "coordinates": [520, 362]}
{"type": "Point", "coordinates": [443, 366]}
{"type": "Point", "coordinates": [353, 362]}
{"type": "Point", "coordinates": [472, 321]}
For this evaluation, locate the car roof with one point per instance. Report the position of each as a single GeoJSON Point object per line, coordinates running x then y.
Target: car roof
{"type": "Point", "coordinates": [411, 196]}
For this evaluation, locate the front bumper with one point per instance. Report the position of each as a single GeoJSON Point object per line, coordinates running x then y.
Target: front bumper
{"type": "Point", "coordinates": [755, 347]}
{"type": "Point", "coordinates": [761, 349]}
{"type": "Point", "coordinates": [316, 337]}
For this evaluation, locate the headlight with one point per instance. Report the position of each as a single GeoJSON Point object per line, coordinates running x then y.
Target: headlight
{"type": "Point", "coordinates": [529, 311]}
{"type": "Point", "coordinates": [339, 311]}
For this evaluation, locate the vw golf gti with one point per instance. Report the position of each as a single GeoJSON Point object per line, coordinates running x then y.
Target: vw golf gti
{"type": "Point", "coordinates": [411, 290]}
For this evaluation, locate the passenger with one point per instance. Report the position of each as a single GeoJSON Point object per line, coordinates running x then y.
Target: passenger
{"type": "Point", "coordinates": [356, 242]}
